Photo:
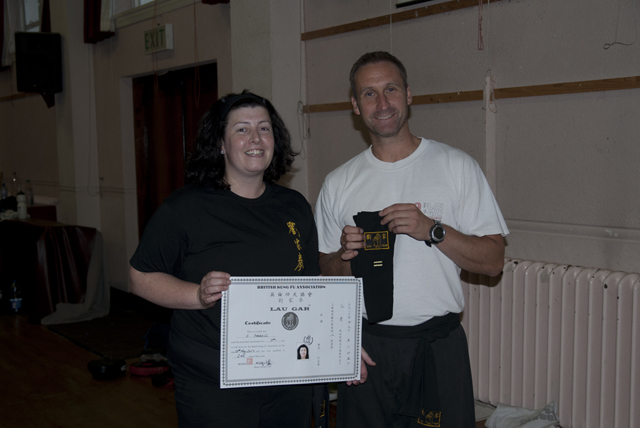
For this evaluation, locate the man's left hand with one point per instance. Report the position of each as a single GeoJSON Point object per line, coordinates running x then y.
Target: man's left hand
{"type": "Point", "coordinates": [407, 219]}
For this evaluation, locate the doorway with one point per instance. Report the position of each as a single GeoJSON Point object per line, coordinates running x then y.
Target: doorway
{"type": "Point", "coordinates": [167, 109]}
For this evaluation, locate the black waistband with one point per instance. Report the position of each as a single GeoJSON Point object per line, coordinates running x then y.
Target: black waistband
{"type": "Point", "coordinates": [421, 397]}
{"type": "Point", "coordinates": [435, 328]}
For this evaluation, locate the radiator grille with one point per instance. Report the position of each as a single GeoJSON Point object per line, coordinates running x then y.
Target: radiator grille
{"type": "Point", "coordinates": [545, 332]}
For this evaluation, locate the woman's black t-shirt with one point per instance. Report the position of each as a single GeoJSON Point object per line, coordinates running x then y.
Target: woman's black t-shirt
{"type": "Point", "coordinates": [198, 230]}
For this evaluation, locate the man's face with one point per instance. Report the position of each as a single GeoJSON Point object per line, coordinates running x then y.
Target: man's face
{"type": "Point", "coordinates": [381, 99]}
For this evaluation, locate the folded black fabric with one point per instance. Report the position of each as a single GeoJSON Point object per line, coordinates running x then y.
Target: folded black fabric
{"type": "Point", "coordinates": [374, 264]}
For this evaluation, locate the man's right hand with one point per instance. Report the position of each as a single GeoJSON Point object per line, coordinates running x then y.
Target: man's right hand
{"type": "Point", "coordinates": [337, 263]}
{"type": "Point", "coordinates": [351, 240]}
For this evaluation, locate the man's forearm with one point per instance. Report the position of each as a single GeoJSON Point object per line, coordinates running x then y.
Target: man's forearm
{"type": "Point", "coordinates": [333, 265]}
{"type": "Point", "coordinates": [477, 254]}
{"type": "Point", "coordinates": [483, 255]}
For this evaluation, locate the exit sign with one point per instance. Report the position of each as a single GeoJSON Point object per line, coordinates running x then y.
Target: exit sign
{"type": "Point", "coordinates": [158, 39]}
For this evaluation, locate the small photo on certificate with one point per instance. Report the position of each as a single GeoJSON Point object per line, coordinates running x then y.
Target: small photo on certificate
{"type": "Point", "coordinates": [290, 330]}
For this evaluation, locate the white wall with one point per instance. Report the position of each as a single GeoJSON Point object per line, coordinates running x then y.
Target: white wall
{"type": "Point", "coordinates": [82, 150]}
{"type": "Point", "coordinates": [267, 59]}
{"type": "Point", "coordinates": [566, 166]}
{"type": "Point", "coordinates": [117, 61]}
{"type": "Point", "coordinates": [28, 140]}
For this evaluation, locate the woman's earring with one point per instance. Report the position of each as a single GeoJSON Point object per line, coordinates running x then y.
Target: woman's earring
{"type": "Point", "coordinates": [221, 152]}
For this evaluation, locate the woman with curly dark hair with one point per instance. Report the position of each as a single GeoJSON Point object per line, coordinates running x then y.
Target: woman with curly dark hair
{"type": "Point", "coordinates": [231, 219]}
{"type": "Point", "coordinates": [206, 165]}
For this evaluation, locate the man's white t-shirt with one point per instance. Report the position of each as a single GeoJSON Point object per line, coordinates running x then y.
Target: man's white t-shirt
{"type": "Point", "coordinates": [447, 185]}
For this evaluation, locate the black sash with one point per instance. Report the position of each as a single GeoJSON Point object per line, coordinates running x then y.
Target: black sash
{"type": "Point", "coordinates": [422, 399]}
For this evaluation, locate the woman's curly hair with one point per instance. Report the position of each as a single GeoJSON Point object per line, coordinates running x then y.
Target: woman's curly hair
{"type": "Point", "coordinates": [206, 165]}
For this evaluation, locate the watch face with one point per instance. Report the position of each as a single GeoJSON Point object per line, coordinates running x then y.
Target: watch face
{"type": "Point", "coordinates": [438, 233]}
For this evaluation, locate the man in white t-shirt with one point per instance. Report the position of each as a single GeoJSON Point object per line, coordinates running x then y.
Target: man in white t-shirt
{"type": "Point", "coordinates": [437, 202]}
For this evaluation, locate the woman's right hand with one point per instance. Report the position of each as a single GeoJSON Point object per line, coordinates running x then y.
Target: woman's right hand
{"type": "Point", "coordinates": [211, 288]}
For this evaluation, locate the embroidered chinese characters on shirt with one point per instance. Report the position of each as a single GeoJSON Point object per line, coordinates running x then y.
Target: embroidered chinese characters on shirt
{"type": "Point", "coordinates": [296, 241]}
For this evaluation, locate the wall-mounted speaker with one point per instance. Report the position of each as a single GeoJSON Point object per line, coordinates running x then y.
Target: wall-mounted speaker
{"type": "Point", "coordinates": [39, 62]}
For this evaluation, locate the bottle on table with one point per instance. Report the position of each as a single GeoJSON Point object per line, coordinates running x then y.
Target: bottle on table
{"type": "Point", "coordinates": [22, 206]}
{"type": "Point", "coordinates": [29, 192]}
{"type": "Point", "coordinates": [16, 296]}
{"type": "Point", "coordinates": [15, 184]}
{"type": "Point", "coordinates": [4, 193]}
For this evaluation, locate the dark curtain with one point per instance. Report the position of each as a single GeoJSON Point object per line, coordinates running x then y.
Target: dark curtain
{"type": "Point", "coordinates": [45, 19]}
{"type": "Point", "coordinates": [2, 34]}
{"type": "Point", "coordinates": [92, 33]}
{"type": "Point", "coordinates": [167, 110]}
{"type": "Point", "coordinates": [45, 27]}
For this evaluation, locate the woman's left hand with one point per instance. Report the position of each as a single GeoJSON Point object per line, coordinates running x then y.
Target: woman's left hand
{"type": "Point", "coordinates": [211, 288]}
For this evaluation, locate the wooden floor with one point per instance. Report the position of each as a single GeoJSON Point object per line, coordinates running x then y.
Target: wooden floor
{"type": "Point", "coordinates": [45, 384]}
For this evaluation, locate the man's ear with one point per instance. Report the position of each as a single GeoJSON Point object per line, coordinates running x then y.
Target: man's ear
{"type": "Point", "coordinates": [354, 104]}
{"type": "Point", "coordinates": [409, 97]}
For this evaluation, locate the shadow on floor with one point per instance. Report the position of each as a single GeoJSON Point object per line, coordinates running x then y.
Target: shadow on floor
{"type": "Point", "coordinates": [131, 326]}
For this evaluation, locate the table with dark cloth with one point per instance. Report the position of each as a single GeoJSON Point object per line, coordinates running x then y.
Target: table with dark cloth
{"type": "Point", "coordinates": [58, 267]}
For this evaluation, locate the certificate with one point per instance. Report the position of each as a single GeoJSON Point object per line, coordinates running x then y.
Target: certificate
{"type": "Point", "coordinates": [290, 330]}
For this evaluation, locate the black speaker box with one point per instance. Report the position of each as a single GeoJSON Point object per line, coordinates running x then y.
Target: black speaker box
{"type": "Point", "coordinates": [39, 62]}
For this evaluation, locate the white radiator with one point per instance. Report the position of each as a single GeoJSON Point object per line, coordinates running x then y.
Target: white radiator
{"type": "Point", "coordinates": [544, 332]}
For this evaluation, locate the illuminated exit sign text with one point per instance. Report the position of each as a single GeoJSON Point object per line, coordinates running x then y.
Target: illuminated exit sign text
{"type": "Point", "coordinates": [158, 39]}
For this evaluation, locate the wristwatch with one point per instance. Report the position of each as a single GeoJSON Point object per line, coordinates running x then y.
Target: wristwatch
{"type": "Point", "coordinates": [436, 233]}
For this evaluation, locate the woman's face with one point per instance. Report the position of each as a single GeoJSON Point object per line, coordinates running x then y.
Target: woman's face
{"type": "Point", "coordinates": [248, 144]}
{"type": "Point", "coordinates": [303, 353]}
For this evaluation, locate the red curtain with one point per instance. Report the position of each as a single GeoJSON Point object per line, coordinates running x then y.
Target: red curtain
{"type": "Point", "coordinates": [92, 33]}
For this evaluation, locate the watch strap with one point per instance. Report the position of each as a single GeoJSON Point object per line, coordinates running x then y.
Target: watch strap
{"type": "Point", "coordinates": [432, 241]}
